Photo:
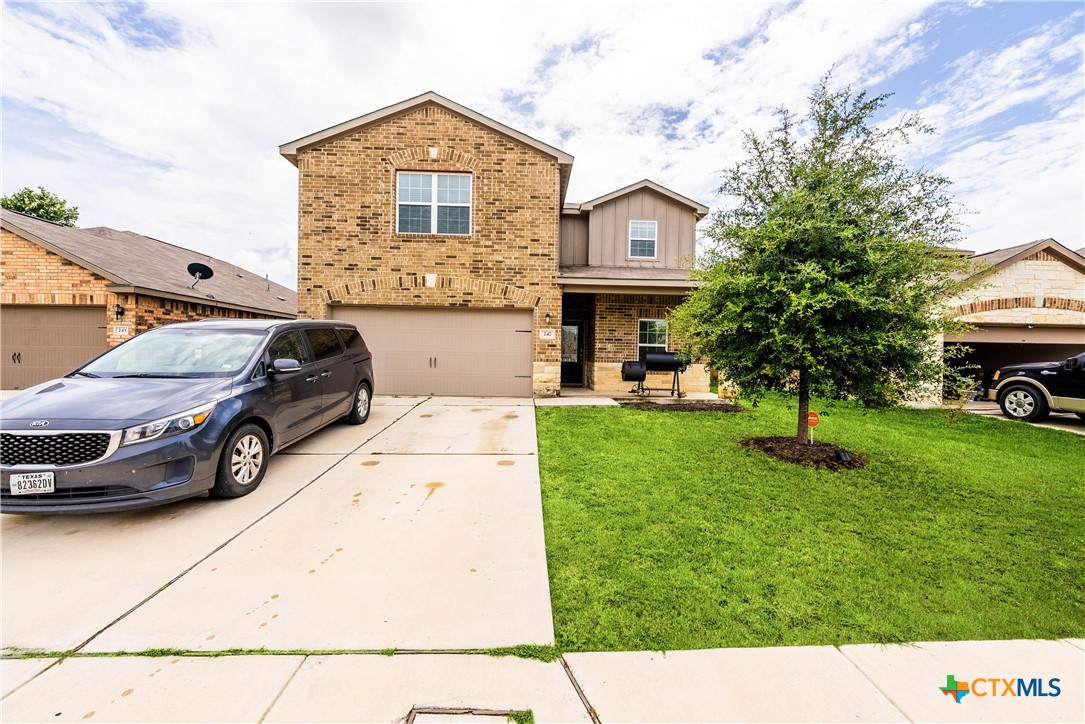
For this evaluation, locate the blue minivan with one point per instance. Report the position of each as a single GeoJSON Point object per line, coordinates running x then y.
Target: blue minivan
{"type": "Point", "coordinates": [188, 409]}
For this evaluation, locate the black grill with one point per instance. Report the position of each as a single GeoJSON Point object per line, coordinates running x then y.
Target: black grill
{"type": "Point", "coordinates": [637, 371]}
{"type": "Point", "coordinates": [664, 362]}
{"type": "Point", "coordinates": [90, 492]}
{"type": "Point", "coordinates": [60, 449]}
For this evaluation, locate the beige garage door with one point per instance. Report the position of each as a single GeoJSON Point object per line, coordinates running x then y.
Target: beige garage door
{"type": "Point", "coordinates": [40, 343]}
{"type": "Point", "coordinates": [484, 352]}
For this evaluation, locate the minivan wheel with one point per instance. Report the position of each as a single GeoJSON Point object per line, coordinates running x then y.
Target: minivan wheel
{"type": "Point", "coordinates": [363, 400]}
{"type": "Point", "coordinates": [1023, 402]}
{"type": "Point", "coordinates": [243, 462]}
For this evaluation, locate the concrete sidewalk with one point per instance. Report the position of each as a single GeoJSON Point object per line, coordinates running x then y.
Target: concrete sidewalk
{"type": "Point", "coordinates": [814, 683]}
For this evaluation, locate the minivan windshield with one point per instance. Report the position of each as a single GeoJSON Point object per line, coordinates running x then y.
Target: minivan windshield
{"type": "Point", "coordinates": [179, 352]}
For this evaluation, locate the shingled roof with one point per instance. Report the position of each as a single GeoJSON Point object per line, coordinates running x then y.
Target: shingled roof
{"type": "Point", "coordinates": [1001, 258]}
{"type": "Point", "coordinates": [139, 264]}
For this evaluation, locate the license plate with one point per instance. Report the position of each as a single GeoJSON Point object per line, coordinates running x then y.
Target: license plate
{"type": "Point", "coordinates": [30, 483]}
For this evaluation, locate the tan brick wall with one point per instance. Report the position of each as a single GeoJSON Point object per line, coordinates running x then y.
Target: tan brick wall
{"type": "Point", "coordinates": [349, 251]}
{"type": "Point", "coordinates": [30, 274]}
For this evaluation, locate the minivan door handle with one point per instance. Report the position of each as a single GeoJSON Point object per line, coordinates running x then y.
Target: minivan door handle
{"type": "Point", "coordinates": [311, 378]}
{"type": "Point", "coordinates": [325, 373]}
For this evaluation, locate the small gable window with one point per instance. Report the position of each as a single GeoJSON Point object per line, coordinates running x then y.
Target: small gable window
{"type": "Point", "coordinates": [642, 239]}
{"type": "Point", "coordinates": [433, 203]}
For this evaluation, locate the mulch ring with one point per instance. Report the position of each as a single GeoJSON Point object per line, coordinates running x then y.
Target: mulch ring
{"type": "Point", "coordinates": [681, 406]}
{"type": "Point", "coordinates": [821, 455]}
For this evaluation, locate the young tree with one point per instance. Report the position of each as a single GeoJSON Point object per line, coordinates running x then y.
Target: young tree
{"type": "Point", "coordinates": [823, 275]}
{"type": "Point", "coordinates": [43, 204]}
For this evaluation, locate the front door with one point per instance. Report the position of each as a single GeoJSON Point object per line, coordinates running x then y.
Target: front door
{"type": "Point", "coordinates": [572, 353]}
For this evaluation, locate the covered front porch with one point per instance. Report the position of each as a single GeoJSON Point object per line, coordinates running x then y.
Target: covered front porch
{"type": "Point", "coordinates": [602, 329]}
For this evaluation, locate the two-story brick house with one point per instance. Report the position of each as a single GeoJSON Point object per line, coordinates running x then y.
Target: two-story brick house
{"type": "Point", "coordinates": [446, 237]}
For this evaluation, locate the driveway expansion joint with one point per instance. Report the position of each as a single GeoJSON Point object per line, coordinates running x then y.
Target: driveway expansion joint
{"type": "Point", "coordinates": [215, 550]}
{"type": "Point", "coordinates": [284, 687]}
{"type": "Point", "coordinates": [579, 690]}
{"type": "Point", "coordinates": [875, 684]}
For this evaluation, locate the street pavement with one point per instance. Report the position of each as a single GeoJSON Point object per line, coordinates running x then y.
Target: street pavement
{"type": "Point", "coordinates": [419, 532]}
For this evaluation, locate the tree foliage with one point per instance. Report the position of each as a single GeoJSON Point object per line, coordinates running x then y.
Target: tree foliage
{"type": "Point", "coordinates": [823, 275]}
{"type": "Point", "coordinates": [43, 204]}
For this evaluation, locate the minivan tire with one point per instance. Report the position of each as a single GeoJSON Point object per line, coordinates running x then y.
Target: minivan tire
{"type": "Point", "coordinates": [360, 404]}
{"type": "Point", "coordinates": [243, 462]}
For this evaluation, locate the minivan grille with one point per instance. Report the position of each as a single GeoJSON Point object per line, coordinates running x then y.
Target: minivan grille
{"type": "Point", "coordinates": [92, 492]}
{"type": "Point", "coordinates": [60, 449]}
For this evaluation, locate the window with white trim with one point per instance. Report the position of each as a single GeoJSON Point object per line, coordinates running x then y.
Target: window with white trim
{"type": "Point", "coordinates": [433, 203]}
{"type": "Point", "coordinates": [642, 239]}
{"type": "Point", "coordinates": [651, 336]}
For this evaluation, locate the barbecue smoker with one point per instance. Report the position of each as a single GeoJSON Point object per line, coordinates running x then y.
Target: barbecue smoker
{"type": "Point", "coordinates": [637, 371]}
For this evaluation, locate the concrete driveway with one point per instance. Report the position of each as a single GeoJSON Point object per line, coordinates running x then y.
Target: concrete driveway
{"type": "Point", "coordinates": [421, 529]}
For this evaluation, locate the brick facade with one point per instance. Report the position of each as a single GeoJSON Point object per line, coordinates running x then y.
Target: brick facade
{"type": "Point", "coordinates": [350, 253]}
{"type": "Point", "coordinates": [33, 275]}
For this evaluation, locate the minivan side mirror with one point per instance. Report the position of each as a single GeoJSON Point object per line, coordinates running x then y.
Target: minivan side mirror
{"type": "Point", "coordinates": [284, 366]}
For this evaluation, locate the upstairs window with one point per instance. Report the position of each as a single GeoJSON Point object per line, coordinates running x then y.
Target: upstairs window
{"type": "Point", "coordinates": [433, 203]}
{"type": "Point", "coordinates": [642, 239]}
{"type": "Point", "coordinates": [651, 336]}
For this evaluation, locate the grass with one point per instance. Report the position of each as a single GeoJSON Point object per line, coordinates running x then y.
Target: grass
{"type": "Point", "coordinates": [663, 533]}
{"type": "Point", "coordinates": [536, 652]}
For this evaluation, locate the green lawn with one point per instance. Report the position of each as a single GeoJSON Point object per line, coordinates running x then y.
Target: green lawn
{"type": "Point", "coordinates": [662, 533]}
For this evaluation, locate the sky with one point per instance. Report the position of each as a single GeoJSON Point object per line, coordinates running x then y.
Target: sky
{"type": "Point", "coordinates": [165, 119]}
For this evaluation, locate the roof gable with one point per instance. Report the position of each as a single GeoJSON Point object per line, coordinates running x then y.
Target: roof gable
{"type": "Point", "coordinates": [290, 150]}
{"type": "Point", "coordinates": [699, 209]}
{"type": "Point", "coordinates": [131, 260]}
{"type": "Point", "coordinates": [998, 259]}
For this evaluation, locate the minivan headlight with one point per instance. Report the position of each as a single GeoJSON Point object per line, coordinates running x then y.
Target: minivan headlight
{"type": "Point", "coordinates": [166, 426]}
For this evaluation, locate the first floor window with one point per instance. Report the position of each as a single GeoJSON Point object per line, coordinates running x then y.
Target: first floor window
{"type": "Point", "coordinates": [642, 239]}
{"type": "Point", "coordinates": [433, 203]}
{"type": "Point", "coordinates": [651, 336]}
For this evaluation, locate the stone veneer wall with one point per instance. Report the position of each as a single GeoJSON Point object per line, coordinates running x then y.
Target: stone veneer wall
{"type": "Point", "coordinates": [350, 253]}
{"type": "Point", "coordinates": [616, 317]}
{"type": "Point", "coordinates": [34, 275]}
{"type": "Point", "coordinates": [1039, 290]}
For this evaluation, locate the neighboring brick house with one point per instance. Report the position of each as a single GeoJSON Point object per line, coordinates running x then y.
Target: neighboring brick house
{"type": "Point", "coordinates": [446, 237]}
{"type": "Point", "coordinates": [69, 294]}
{"type": "Point", "coordinates": [1027, 304]}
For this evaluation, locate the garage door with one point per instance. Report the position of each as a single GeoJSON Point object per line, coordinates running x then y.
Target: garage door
{"type": "Point", "coordinates": [40, 343]}
{"type": "Point", "coordinates": [483, 352]}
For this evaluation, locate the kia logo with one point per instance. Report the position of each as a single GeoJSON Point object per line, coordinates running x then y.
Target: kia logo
{"type": "Point", "coordinates": [40, 423]}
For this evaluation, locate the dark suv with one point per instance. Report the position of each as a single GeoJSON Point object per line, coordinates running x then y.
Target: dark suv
{"type": "Point", "coordinates": [179, 411]}
{"type": "Point", "coordinates": [1030, 391]}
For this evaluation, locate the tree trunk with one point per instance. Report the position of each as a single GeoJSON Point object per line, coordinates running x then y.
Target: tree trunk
{"type": "Point", "coordinates": [803, 433]}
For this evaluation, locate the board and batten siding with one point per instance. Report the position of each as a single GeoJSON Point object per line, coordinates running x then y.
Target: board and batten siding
{"type": "Point", "coordinates": [609, 231]}
{"type": "Point", "coordinates": [574, 240]}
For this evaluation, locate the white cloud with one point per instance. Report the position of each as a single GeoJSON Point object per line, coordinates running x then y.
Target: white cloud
{"type": "Point", "coordinates": [165, 118]}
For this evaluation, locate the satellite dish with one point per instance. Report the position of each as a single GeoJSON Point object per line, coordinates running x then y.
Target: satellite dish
{"type": "Point", "coordinates": [199, 271]}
